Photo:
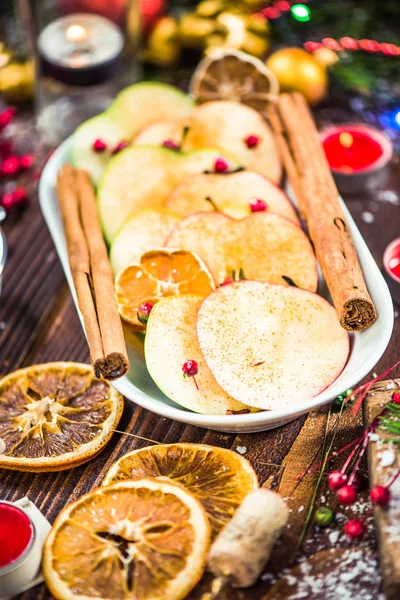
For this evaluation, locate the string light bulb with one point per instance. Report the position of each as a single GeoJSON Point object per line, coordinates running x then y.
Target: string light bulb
{"type": "Point", "coordinates": [300, 12]}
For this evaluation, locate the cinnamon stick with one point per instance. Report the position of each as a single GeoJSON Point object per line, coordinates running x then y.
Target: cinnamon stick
{"type": "Point", "coordinates": [319, 200]}
{"type": "Point", "coordinates": [91, 272]}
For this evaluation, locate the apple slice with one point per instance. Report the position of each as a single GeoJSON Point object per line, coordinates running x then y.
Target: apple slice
{"type": "Point", "coordinates": [171, 341]}
{"type": "Point", "coordinates": [159, 132]}
{"type": "Point", "coordinates": [232, 193]}
{"type": "Point", "coordinates": [143, 177]}
{"type": "Point", "coordinates": [228, 125]}
{"type": "Point", "coordinates": [133, 109]}
{"type": "Point", "coordinates": [146, 230]}
{"type": "Point", "coordinates": [264, 246]}
{"type": "Point", "coordinates": [270, 346]}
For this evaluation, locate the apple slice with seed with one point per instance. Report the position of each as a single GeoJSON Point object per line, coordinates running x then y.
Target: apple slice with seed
{"type": "Point", "coordinates": [233, 193]}
{"type": "Point", "coordinates": [171, 341]}
{"type": "Point", "coordinates": [270, 346]}
{"type": "Point", "coordinates": [263, 246]}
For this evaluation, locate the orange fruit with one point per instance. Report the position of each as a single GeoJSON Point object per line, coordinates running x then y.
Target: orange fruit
{"type": "Point", "coordinates": [218, 477]}
{"type": "Point", "coordinates": [135, 540]}
{"type": "Point", "coordinates": [228, 74]}
{"type": "Point", "coordinates": [55, 416]}
{"type": "Point", "coordinates": [164, 272]}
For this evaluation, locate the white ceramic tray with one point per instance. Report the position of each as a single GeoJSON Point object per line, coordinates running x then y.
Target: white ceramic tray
{"type": "Point", "coordinates": [366, 347]}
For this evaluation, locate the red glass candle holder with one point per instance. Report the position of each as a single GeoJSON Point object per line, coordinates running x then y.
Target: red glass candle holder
{"type": "Point", "coordinates": [358, 156]}
{"type": "Point", "coordinates": [391, 263]}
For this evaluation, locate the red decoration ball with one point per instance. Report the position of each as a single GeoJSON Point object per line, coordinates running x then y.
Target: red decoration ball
{"type": "Point", "coordinates": [221, 165]}
{"type": "Point", "coordinates": [10, 166]}
{"type": "Point", "coordinates": [99, 145]}
{"type": "Point", "coordinates": [336, 480]}
{"type": "Point", "coordinates": [347, 495]}
{"type": "Point", "coordinates": [190, 368]}
{"type": "Point", "coordinates": [380, 495]}
{"type": "Point", "coordinates": [26, 161]}
{"type": "Point", "coordinates": [170, 144]}
{"type": "Point", "coordinates": [354, 529]}
{"type": "Point", "coordinates": [252, 141]}
{"type": "Point", "coordinates": [257, 205]}
{"type": "Point", "coordinates": [12, 199]}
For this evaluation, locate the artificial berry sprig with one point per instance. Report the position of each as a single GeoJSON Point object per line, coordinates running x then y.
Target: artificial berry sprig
{"type": "Point", "coordinates": [171, 145]}
{"type": "Point", "coordinates": [221, 165]}
{"type": "Point", "coordinates": [257, 205]}
{"type": "Point", "coordinates": [190, 368]}
{"type": "Point", "coordinates": [252, 141]}
{"type": "Point", "coordinates": [143, 312]}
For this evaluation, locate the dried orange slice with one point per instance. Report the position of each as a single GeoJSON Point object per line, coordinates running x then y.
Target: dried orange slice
{"type": "Point", "coordinates": [218, 477]}
{"type": "Point", "coordinates": [228, 74]}
{"type": "Point", "coordinates": [55, 416]}
{"type": "Point", "coordinates": [135, 540]}
{"type": "Point", "coordinates": [164, 272]}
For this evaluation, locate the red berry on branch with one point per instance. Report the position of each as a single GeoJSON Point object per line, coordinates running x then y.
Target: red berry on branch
{"type": "Point", "coordinates": [380, 495]}
{"type": "Point", "coordinates": [99, 145]}
{"type": "Point", "coordinates": [252, 141]}
{"type": "Point", "coordinates": [143, 312]}
{"type": "Point", "coordinates": [354, 529]}
{"type": "Point", "coordinates": [190, 368]}
{"type": "Point", "coordinates": [10, 166]}
{"type": "Point", "coordinates": [6, 117]}
{"type": "Point", "coordinates": [257, 205]}
{"type": "Point", "coordinates": [221, 165]}
{"type": "Point", "coordinates": [171, 145]}
{"type": "Point", "coordinates": [120, 146]}
{"type": "Point", "coordinates": [336, 480]}
{"type": "Point", "coordinates": [396, 397]}
{"type": "Point", "coordinates": [357, 481]}
{"type": "Point", "coordinates": [6, 147]}
{"type": "Point", "coordinates": [347, 495]}
{"type": "Point", "coordinates": [15, 198]}
{"type": "Point", "coordinates": [26, 161]}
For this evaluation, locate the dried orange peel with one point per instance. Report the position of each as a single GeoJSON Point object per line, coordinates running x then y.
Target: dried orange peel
{"type": "Point", "coordinates": [160, 273]}
{"type": "Point", "coordinates": [136, 540]}
{"type": "Point", "coordinates": [218, 477]}
{"type": "Point", "coordinates": [55, 416]}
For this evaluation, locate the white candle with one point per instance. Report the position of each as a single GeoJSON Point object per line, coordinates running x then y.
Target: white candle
{"type": "Point", "coordinates": [80, 49]}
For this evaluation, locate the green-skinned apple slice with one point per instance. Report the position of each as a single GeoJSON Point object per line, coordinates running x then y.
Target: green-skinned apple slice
{"type": "Point", "coordinates": [132, 110]}
{"type": "Point", "coordinates": [227, 125]}
{"type": "Point", "coordinates": [171, 340]}
{"type": "Point", "coordinates": [269, 346]}
{"type": "Point", "coordinates": [232, 193]}
{"type": "Point", "coordinates": [147, 229]}
{"type": "Point", "coordinates": [142, 177]}
{"type": "Point", "coordinates": [262, 246]}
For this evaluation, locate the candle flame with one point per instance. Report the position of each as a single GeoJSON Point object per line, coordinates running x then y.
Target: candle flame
{"type": "Point", "coordinates": [76, 33]}
{"type": "Point", "coordinates": [346, 139]}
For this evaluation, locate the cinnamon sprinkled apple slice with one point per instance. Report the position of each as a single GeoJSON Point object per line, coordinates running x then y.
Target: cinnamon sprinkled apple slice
{"type": "Point", "coordinates": [270, 346]}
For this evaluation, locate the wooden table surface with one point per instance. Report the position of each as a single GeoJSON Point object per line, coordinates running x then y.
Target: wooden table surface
{"type": "Point", "coordinates": [38, 323]}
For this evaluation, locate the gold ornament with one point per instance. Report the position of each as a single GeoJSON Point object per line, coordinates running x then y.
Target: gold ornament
{"type": "Point", "coordinates": [298, 70]}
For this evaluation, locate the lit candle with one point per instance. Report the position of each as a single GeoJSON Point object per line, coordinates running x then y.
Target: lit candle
{"type": "Point", "coordinates": [80, 49]}
{"type": "Point", "coordinates": [357, 155]}
{"type": "Point", "coordinates": [20, 553]}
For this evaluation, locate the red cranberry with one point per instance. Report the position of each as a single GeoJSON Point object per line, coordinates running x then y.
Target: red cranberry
{"type": "Point", "coordinates": [26, 161]}
{"type": "Point", "coordinates": [336, 480]}
{"type": "Point", "coordinates": [10, 166]}
{"type": "Point", "coordinates": [257, 205]}
{"type": "Point", "coordinates": [347, 495]}
{"type": "Point", "coordinates": [120, 146]}
{"type": "Point", "coordinates": [252, 141]}
{"type": "Point", "coordinates": [396, 397]}
{"type": "Point", "coordinates": [171, 145]}
{"type": "Point", "coordinates": [190, 368]}
{"type": "Point", "coordinates": [143, 312]}
{"type": "Point", "coordinates": [221, 165]}
{"type": "Point", "coordinates": [99, 145]}
{"type": "Point", "coordinates": [354, 529]}
{"type": "Point", "coordinates": [380, 495]}
{"type": "Point", "coordinates": [6, 117]}
{"type": "Point", "coordinates": [18, 196]}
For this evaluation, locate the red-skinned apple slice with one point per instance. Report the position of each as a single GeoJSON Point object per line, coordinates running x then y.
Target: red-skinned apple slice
{"type": "Point", "coordinates": [270, 346]}
{"type": "Point", "coordinates": [263, 246]}
{"type": "Point", "coordinates": [228, 125]}
{"type": "Point", "coordinates": [233, 193]}
{"type": "Point", "coordinates": [171, 340]}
